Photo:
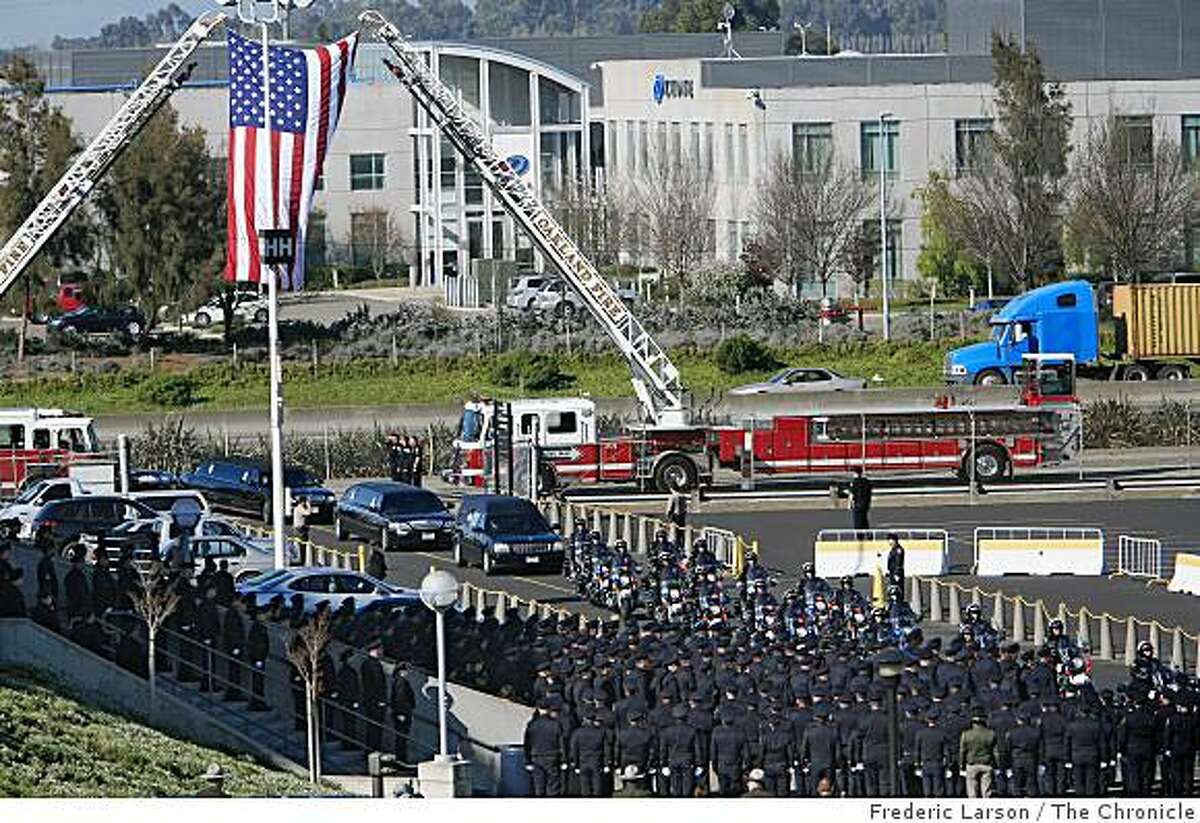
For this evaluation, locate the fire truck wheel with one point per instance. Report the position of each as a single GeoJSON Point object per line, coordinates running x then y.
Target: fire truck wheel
{"type": "Point", "coordinates": [991, 463]}
{"type": "Point", "coordinates": [990, 377]}
{"type": "Point", "coordinates": [675, 471]}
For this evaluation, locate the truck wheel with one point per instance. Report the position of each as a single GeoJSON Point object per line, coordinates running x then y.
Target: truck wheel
{"type": "Point", "coordinates": [1136, 374]}
{"type": "Point", "coordinates": [991, 463]}
{"type": "Point", "coordinates": [203, 321]}
{"type": "Point", "coordinates": [675, 472]}
{"type": "Point", "coordinates": [1173, 371]}
{"type": "Point", "coordinates": [990, 377]}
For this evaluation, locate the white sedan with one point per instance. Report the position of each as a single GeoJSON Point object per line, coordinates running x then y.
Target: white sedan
{"type": "Point", "coordinates": [317, 584]}
{"type": "Point", "coordinates": [249, 306]}
{"type": "Point", "coordinates": [802, 381]}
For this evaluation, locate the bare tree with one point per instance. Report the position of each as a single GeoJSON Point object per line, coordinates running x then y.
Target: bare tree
{"type": "Point", "coordinates": [1131, 201]}
{"type": "Point", "coordinates": [676, 201]}
{"type": "Point", "coordinates": [307, 646]}
{"type": "Point", "coordinates": [809, 220]}
{"type": "Point", "coordinates": [154, 601]}
{"type": "Point", "coordinates": [593, 217]}
{"type": "Point", "coordinates": [378, 240]}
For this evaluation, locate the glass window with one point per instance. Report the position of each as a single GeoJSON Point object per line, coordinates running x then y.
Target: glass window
{"type": "Point", "coordinates": [970, 141]}
{"type": "Point", "coordinates": [812, 146]}
{"type": "Point", "coordinates": [561, 423]}
{"type": "Point", "coordinates": [12, 437]}
{"type": "Point", "coordinates": [366, 172]}
{"type": "Point", "coordinates": [41, 438]}
{"type": "Point", "coordinates": [731, 240]}
{"type": "Point", "coordinates": [643, 144]}
{"type": "Point", "coordinates": [610, 148]}
{"type": "Point", "coordinates": [631, 146]}
{"type": "Point", "coordinates": [508, 94]}
{"type": "Point", "coordinates": [558, 104]}
{"type": "Point", "coordinates": [707, 150]}
{"type": "Point", "coordinates": [694, 143]}
{"type": "Point", "coordinates": [743, 150]}
{"type": "Point", "coordinates": [1137, 139]}
{"type": "Point", "coordinates": [676, 142]}
{"type": "Point", "coordinates": [1191, 139]}
{"type": "Point", "coordinates": [871, 231]}
{"type": "Point", "coordinates": [314, 243]}
{"type": "Point", "coordinates": [315, 583]}
{"type": "Point", "coordinates": [461, 74]}
{"type": "Point", "coordinates": [730, 161]}
{"type": "Point", "coordinates": [870, 148]}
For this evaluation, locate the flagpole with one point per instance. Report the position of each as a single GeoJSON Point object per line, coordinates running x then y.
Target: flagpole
{"type": "Point", "coordinates": [278, 506]}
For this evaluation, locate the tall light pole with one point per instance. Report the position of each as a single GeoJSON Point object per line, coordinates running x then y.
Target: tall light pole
{"type": "Point", "coordinates": [889, 665]}
{"type": "Point", "coordinates": [883, 257]}
{"type": "Point", "coordinates": [263, 13]}
{"type": "Point", "coordinates": [803, 29]}
{"type": "Point", "coordinates": [439, 591]}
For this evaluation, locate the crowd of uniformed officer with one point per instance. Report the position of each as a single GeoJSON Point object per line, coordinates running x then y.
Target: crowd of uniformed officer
{"type": "Point", "coordinates": [406, 459]}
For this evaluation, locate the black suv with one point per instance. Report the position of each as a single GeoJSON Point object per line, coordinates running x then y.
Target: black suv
{"type": "Point", "coordinates": [244, 485]}
{"type": "Point", "coordinates": [399, 515]}
{"type": "Point", "coordinates": [65, 521]}
{"type": "Point", "coordinates": [124, 320]}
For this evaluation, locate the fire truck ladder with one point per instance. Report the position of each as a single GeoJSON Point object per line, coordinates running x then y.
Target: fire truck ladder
{"type": "Point", "coordinates": [95, 160]}
{"type": "Point", "coordinates": [655, 378]}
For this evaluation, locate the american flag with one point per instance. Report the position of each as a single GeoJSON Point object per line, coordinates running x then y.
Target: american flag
{"type": "Point", "coordinates": [308, 88]}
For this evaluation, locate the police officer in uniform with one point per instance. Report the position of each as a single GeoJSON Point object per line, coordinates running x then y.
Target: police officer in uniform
{"type": "Point", "coordinates": [590, 753]}
{"type": "Point", "coordinates": [1054, 750]}
{"type": "Point", "coordinates": [932, 755]}
{"type": "Point", "coordinates": [679, 749]}
{"type": "Point", "coordinates": [374, 694]}
{"type": "Point", "coordinates": [258, 647]}
{"type": "Point", "coordinates": [545, 754]}
{"type": "Point", "coordinates": [1085, 751]}
{"type": "Point", "coordinates": [730, 754]}
{"type": "Point", "coordinates": [1023, 750]}
{"type": "Point", "coordinates": [402, 700]}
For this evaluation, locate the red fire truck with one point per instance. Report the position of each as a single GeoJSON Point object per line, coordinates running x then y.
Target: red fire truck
{"type": "Point", "coordinates": [42, 443]}
{"type": "Point", "coordinates": [1040, 430]}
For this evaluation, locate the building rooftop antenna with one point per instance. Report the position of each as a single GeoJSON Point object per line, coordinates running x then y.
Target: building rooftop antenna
{"type": "Point", "coordinates": [725, 26]}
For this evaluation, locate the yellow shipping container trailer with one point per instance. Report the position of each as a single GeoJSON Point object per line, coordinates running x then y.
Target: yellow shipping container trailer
{"type": "Point", "coordinates": [1161, 320]}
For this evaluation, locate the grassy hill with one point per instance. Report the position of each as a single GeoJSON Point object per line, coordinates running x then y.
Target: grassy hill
{"type": "Point", "coordinates": [52, 745]}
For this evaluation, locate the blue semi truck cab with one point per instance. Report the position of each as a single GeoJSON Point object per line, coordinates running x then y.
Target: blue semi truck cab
{"type": "Point", "coordinates": [1060, 317]}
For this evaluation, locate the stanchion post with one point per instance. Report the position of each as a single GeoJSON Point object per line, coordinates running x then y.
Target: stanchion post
{"type": "Point", "coordinates": [1130, 641]}
{"type": "Point", "coordinates": [1106, 644]}
{"type": "Point", "coordinates": [935, 600]}
{"type": "Point", "coordinates": [954, 618]}
{"type": "Point", "coordinates": [1018, 620]}
{"type": "Point", "coordinates": [998, 613]}
{"type": "Point", "coordinates": [1039, 623]}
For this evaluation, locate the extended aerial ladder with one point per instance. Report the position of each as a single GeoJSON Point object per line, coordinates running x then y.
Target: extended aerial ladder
{"type": "Point", "coordinates": [73, 187]}
{"type": "Point", "coordinates": [655, 378]}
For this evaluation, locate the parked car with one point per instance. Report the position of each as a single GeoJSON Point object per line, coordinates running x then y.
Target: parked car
{"type": "Point", "coordinates": [555, 297]}
{"type": "Point", "coordinates": [16, 519]}
{"type": "Point", "coordinates": [398, 515]}
{"type": "Point", "coordinates": [215, 526]}
{"type": "Point", "coordinates": [498, 530]}
{"type": "Point", "coordinates": [146, 480]}
{"type": "Point", "coordinates": [521, 293]}
{"type": "Point", "coordinates": [247, 306]}
{"type": "Point", "coordinates": [318, 584]}
{"type": "Point", "coordinates": [69, 297]}
{"type": "Point", "coordinates": [125, 320]}
{"type": "Point", "coordinates": [243, 485]}
{"type": "Point", "coordinates": [802, 381]}
{"type": "Point", "coordinates": [162, 500]}
{"type": "Point", "coordinates": [63, 522]}
{"type": "Point", "coordinates": [247, 556]}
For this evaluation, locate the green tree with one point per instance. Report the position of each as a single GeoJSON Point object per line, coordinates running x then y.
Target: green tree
{"type": "Point", "coordinates": [1006, 209]}
{"type": "Point", "coordinates": [703, 15]}
{"type": "Point", "coordinates": [164, 206]}
{"type": "Point", "coordinates": [36, 147]}
{"type": "Point", "coordinates": [943, 260]}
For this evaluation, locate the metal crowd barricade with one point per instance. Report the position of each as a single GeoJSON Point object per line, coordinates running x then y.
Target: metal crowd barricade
{"type": "Point", "coordinates": [1139, 557]}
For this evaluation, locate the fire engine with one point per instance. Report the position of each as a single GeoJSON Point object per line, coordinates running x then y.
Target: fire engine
{"type": "Point", "coordinates": [668, 448]}
{"type": "Point", "coordinates": [41, 443]}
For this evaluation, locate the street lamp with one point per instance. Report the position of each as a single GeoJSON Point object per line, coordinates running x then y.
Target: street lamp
{"type": "Point", "coordinates": [889, 665]}
{"type": "Point", "coordinates": [263, 13]}
{"type": "Point", "coordinates": [439, 591]}
{"type": "Point", "coordinates": [887, 319]}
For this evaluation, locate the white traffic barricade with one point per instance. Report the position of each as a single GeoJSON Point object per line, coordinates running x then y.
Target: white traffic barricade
{"type": "Point", "coordinates": [1186, 579]}
{"type": "Point", "coordinates": [1139, 557]}
{"type": "Point", "coordinates": [1039, 551]}
{"type": "Point", "coordinates": [839, 552]}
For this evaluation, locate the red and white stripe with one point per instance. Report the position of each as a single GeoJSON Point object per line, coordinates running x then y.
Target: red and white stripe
{"type": "Point", "coordinates": [284, 200]}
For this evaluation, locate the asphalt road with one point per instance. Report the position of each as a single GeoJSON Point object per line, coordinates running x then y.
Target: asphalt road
{"type": "Point", "coordinates": [786, 540]}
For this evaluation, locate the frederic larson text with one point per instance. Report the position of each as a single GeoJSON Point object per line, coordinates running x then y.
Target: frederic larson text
{"type": "Point", "coordinates": [1050, 810]}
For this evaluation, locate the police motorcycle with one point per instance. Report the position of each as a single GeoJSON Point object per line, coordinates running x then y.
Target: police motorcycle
{"type": "Point", "coordinates": [810, 586]}
{"type": "Point", "coordinates": [672, 604]}
{"type": "Point", "coordinates": [977, 632]}
{"type": "Point", "coordinates": [897, 622]}
{"type": "Point", "coordinates": [623, 581]}
{"type": "Point", "coordinates": [1072, 663]}
{"type": "Point", "coordinates": [578, 550]}
{"type": "Point", "coordinates": [1148, 670]}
